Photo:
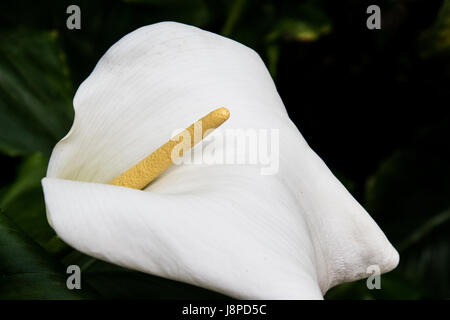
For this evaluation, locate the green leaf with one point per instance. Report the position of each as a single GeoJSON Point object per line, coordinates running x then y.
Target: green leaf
{"type": "Point", "coordinates": [35, 92]}
{"type": "Point", "coordinates": [436, 40]}
{"type": "Point", "coordinates": [23, 203]}
{"type": "Point", "coordinates": [351, 290]}
{"type": "Point", "coordinates": [273, 55]}
{"type": "Point", "coordinates": [410, 188]}
{"type": "Point", "coordinates": [424, 230]}
{"type": "Point", "coordinates": [298, 30]}
{"type": "Point", "coordinates": [114, 282]}
{"type": "Point", "coordinates": [409, 197]}
{"type": "Point", "coordinates": [234, 14]}
{"type": "Point", "coordinates": [394, 286]}
{"type": "Point", "coordinates": [304, 22]}
{"type": "Point", "coordinates": [27, 271]}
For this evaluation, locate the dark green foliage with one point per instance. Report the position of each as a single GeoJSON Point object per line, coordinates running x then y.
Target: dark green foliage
{"type": "Point", "coordinates": [35, 92]}
{"type": "Point", "coordinates": [28, 271]}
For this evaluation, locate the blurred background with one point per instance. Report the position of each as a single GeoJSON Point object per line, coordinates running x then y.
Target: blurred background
{"type": "Point", "coordinates": [374, 104]}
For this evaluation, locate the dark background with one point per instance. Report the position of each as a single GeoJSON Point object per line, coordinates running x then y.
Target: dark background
{"type": "Point", "coordinates": [372, 103]}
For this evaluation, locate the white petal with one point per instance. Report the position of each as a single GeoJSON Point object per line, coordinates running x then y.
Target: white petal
{"type": "Point", "coordinates": [153, 81]}
{"type": "Point", "coordinates": [223, 239]}
{"type": "Point", "coordinates": [161, 78]}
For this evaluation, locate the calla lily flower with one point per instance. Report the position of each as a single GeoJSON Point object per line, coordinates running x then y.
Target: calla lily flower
{"type": "Point", "coordinates": [228, 228]}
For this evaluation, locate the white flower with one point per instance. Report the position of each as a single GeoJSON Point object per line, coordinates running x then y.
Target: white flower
{"type": "Point", "coordinates": [291, 235]}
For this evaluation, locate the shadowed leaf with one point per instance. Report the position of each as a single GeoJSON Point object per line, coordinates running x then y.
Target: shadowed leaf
{"type": "Point", "coordinates": [35, 93]}
{"type": "Point", "coordinates": [436, 40]}
{"type": "Point", "coordinates": [23, 203]}
{"type": "Point", "coordinates": [27, 271]}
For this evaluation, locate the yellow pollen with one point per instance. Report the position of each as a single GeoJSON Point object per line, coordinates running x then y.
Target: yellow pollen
{"type": "Point", "coordinates": [148, 169]}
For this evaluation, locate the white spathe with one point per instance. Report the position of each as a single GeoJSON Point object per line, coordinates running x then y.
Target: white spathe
{"type": "Point", "coordinates": [292, 235]}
